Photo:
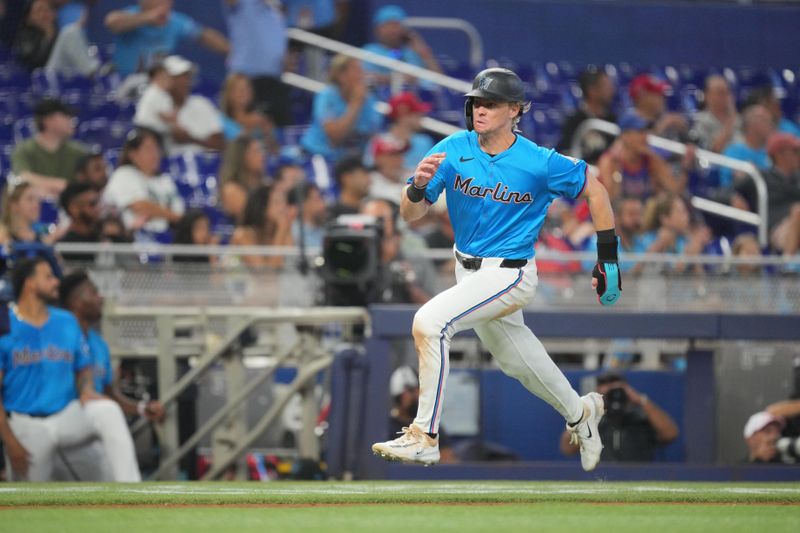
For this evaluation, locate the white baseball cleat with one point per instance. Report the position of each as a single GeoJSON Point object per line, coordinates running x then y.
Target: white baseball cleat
{"type": "Point", "coordinates": [412, 446]}
{"type": "Point", "coordinates": [586, 434]}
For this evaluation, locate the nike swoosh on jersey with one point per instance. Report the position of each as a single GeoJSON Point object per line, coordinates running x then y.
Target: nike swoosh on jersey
{"type": "Point", "coordinates": [465, 159]}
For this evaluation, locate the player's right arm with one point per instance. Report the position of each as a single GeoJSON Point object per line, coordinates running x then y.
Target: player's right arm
{"type": "Point", "coordinates": [17, 454]}
{"type": "Point", "coordinates": [412, 203]}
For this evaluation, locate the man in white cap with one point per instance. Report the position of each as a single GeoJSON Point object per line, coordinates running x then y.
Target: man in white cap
{"type": "Point", "coordinates": [761, 434]}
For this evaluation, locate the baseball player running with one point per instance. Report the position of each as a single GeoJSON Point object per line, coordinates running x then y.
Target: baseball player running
{"type": "Point", "coordinates": [44, 367]}
{"type": "Point", "coordinates": [499, 186]}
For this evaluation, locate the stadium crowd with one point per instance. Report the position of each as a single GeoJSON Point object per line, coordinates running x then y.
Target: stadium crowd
{"type": "Point", "coordinates": [133, 145]}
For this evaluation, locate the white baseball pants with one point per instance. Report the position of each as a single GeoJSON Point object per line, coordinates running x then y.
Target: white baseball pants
{"type": "Point", "coordinates": [488, 300]}
{"type": "Point", "coordinates": [77, 425]}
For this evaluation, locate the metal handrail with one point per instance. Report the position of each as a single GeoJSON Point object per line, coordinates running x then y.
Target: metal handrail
{"type": "Point", "coordinates": [432, 253]}
{"type": "Point", "coordinates": [449, 23]}
{"type": "Point", "coordinates": [312, 85]}
{"type": "Point", "coordinates": [377, 59]}
{"type": "Point", "coordinates": [675, 147]}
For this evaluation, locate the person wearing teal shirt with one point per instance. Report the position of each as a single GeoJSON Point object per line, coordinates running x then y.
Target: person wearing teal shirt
{"type": "Point", "coordinates": [343, 116]}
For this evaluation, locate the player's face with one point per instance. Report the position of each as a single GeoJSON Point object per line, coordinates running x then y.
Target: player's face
{"type": "Point", "coordinates": [88, 302]}
{"type": "Point", "coordinates": [489, 116]}
{"type": "Point", "coordinates": [45, 283]}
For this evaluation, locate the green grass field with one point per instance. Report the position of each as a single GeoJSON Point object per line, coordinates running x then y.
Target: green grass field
{"type": "Point", "coordinates": [402, 506]}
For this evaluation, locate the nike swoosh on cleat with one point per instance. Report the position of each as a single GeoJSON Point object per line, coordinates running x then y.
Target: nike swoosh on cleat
{"type": "Point", "coordinates": [465, 159]}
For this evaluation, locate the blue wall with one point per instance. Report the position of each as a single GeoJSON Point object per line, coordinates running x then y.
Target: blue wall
{"type": "Point", "coordinates": [513, 417]}
{"type": "Point", "coordinates": [694, 33]}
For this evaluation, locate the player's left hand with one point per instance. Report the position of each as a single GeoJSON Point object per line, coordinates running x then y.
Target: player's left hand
{"type": "Point", "coordinates": [607, 281]}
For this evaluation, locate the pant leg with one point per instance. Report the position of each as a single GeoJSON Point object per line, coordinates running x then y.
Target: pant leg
{"type": "Point", "coordinates": [478, 297]}
{"type": "Point", "coordinates": [37, 436]}
{"type": "Point", "coordinates": [522, 356]}
{"type": "Point", "coordinates": [84, 462]}
{"type": "Point", "coordinates": [109, 424]}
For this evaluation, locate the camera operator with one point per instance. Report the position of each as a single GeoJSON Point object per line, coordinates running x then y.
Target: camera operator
{"type": "Point", "coordinates": [404, 278]}
{"type": "Point", "coordinates": [633, 426]}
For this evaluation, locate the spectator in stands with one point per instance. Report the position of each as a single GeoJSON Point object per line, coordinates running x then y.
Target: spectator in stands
{"type": "Point", "coordinates": [648, 94]}
{"type": "Point", "coordinates": [257, 30]}
{"type": "Point", "coordinates": [633, 427]}
{"type": "Point", "coordinates": [239, 117]}
{"type": "Point", "coordinates": [70, 55]}
{"type": "Point", "coordinates": [37, 35]}
{"type": "Point", "coordinates": [194, 227]}
{"type": "Point", "coordinates": [22, 207]}
{"type": "Point", "coordinates": [353, 182]}
{"type": "Point", "coordinates": [81, 202]}
{"type": "Point", "coordinates": [404, 389]}
{"type": "Point", "coordinates": [766, 96]}
{"type": "Point", "coordinates": [151, 30]}
{"type": "Point", "coordinates": [783, 192]}
{"type": "Point", "coordinates": [155, 109]}
{"type": "Point", "coordinates": [79, 295]}
{"type": "Point", "coordinates": [197, 124]}
{"type": "Point", "coordinates": [746, 245]}
{"type": "Point", "coordinates": [146, 199]}
{"type": "Point", "coordinates": [631, 168]}
{"type": "Point", "coordinates": [48, 395]}
{"type": "Point", "coordinates": [388, 177]}
{"type": "Point", "coordinates": [49, 158]}
{"type": "Point", "coordinates": [344, 116]}
{"type": "Point", "coordinates": [405, 276]}
{"type": "Point", "coordinates": [314, 213]}
{"type": "Point", "coordinates": [267, 221]}
{"type": "Point", "coordinates": [395, 40]}
{"type": "Point", "coordinates": [628, 220]}
{"type": "Point", "coordinates": [668, 227]}
{"type": "Point", "coordinates": [761, 434]}
{"type": "Point", "coordinates": [719, 123]}
{"type": "Point", "coordinates": [92, 169]}
{"type": "Point", "coordinates": [597, 92]}
{"type": "Point", "coordinates": [242, 172]}
{"type": "Point", "coordinates": [289, 175]}
{"type": "Point", "coordinates": [756, 129]}
{"type": "Point", "coordinates": [406, 111]}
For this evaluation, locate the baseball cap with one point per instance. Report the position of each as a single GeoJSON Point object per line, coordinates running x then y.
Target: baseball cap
{"type": "Point", "coordinates": [389, 13]}
{"type": "Point", "coordinates": [633, 121]}
{"type": "Point", "coordinates": [177, 65]}
{"type": "Point", "coordinates": [403, 378]}
{"type": "Point", "coordinates": [406, 103]}
{"type": "Point", "coordinates": [647, 83]}
{"type": "Point", "coordinates": [781, 140]}
{"type": "Point", "coordinates": [759, 421]}
{"type": "Point", "coordinates": [50, 106]}
{"type": "Point", "coordinates": [388, 144]}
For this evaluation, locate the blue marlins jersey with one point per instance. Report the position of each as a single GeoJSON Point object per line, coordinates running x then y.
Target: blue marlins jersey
{"type": "Point", "coordinates": [101, 359]}
{"type": "Point", "coordinates": [497, 204]}
{"type": "Point", "coordinates": [39, 364]}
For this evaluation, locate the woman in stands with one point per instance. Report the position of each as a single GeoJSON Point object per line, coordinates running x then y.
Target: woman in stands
{"type": "Point", "coordinates": [146, 198]}
{"type": "Point", "coordinates": [242, 171]}
{"type": "Point", "coordinates": [669, 230]}
{"type": "Point", "coordinates": [267, 221]}
{"type": "Point", "coordinates": [239, 116]}
{"type": "Point", "coordinates": [20, 219]}
{"type": "Point", "coordinates": [37, 35]}
{"type": "Point", "coordinates": [344, 116]}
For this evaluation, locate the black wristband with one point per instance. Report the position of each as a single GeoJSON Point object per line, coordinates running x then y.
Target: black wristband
{"type": "Point", "coordinates": [414, 193]}
{"type": "Point", "coordinates": [606, 246]}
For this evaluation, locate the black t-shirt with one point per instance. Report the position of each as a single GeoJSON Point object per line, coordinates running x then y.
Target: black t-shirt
{"type": "Point", "coordinates": [31, 47]}
{"type": "Point", "coordinates": [74, 236]}
{"type": "Point", "coordinates": [628, 437]}
{"type": "Point", "coordinates": [594, 143]}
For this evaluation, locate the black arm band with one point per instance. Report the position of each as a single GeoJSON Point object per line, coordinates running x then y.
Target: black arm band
{"type": "Point", "coordinates": [414, 193]}
{"type": "Point", "coordinates": [606, 246]}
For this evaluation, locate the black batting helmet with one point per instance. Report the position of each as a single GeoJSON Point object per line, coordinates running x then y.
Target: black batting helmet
{"type": "Point", "coordinates": [497, 84]}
